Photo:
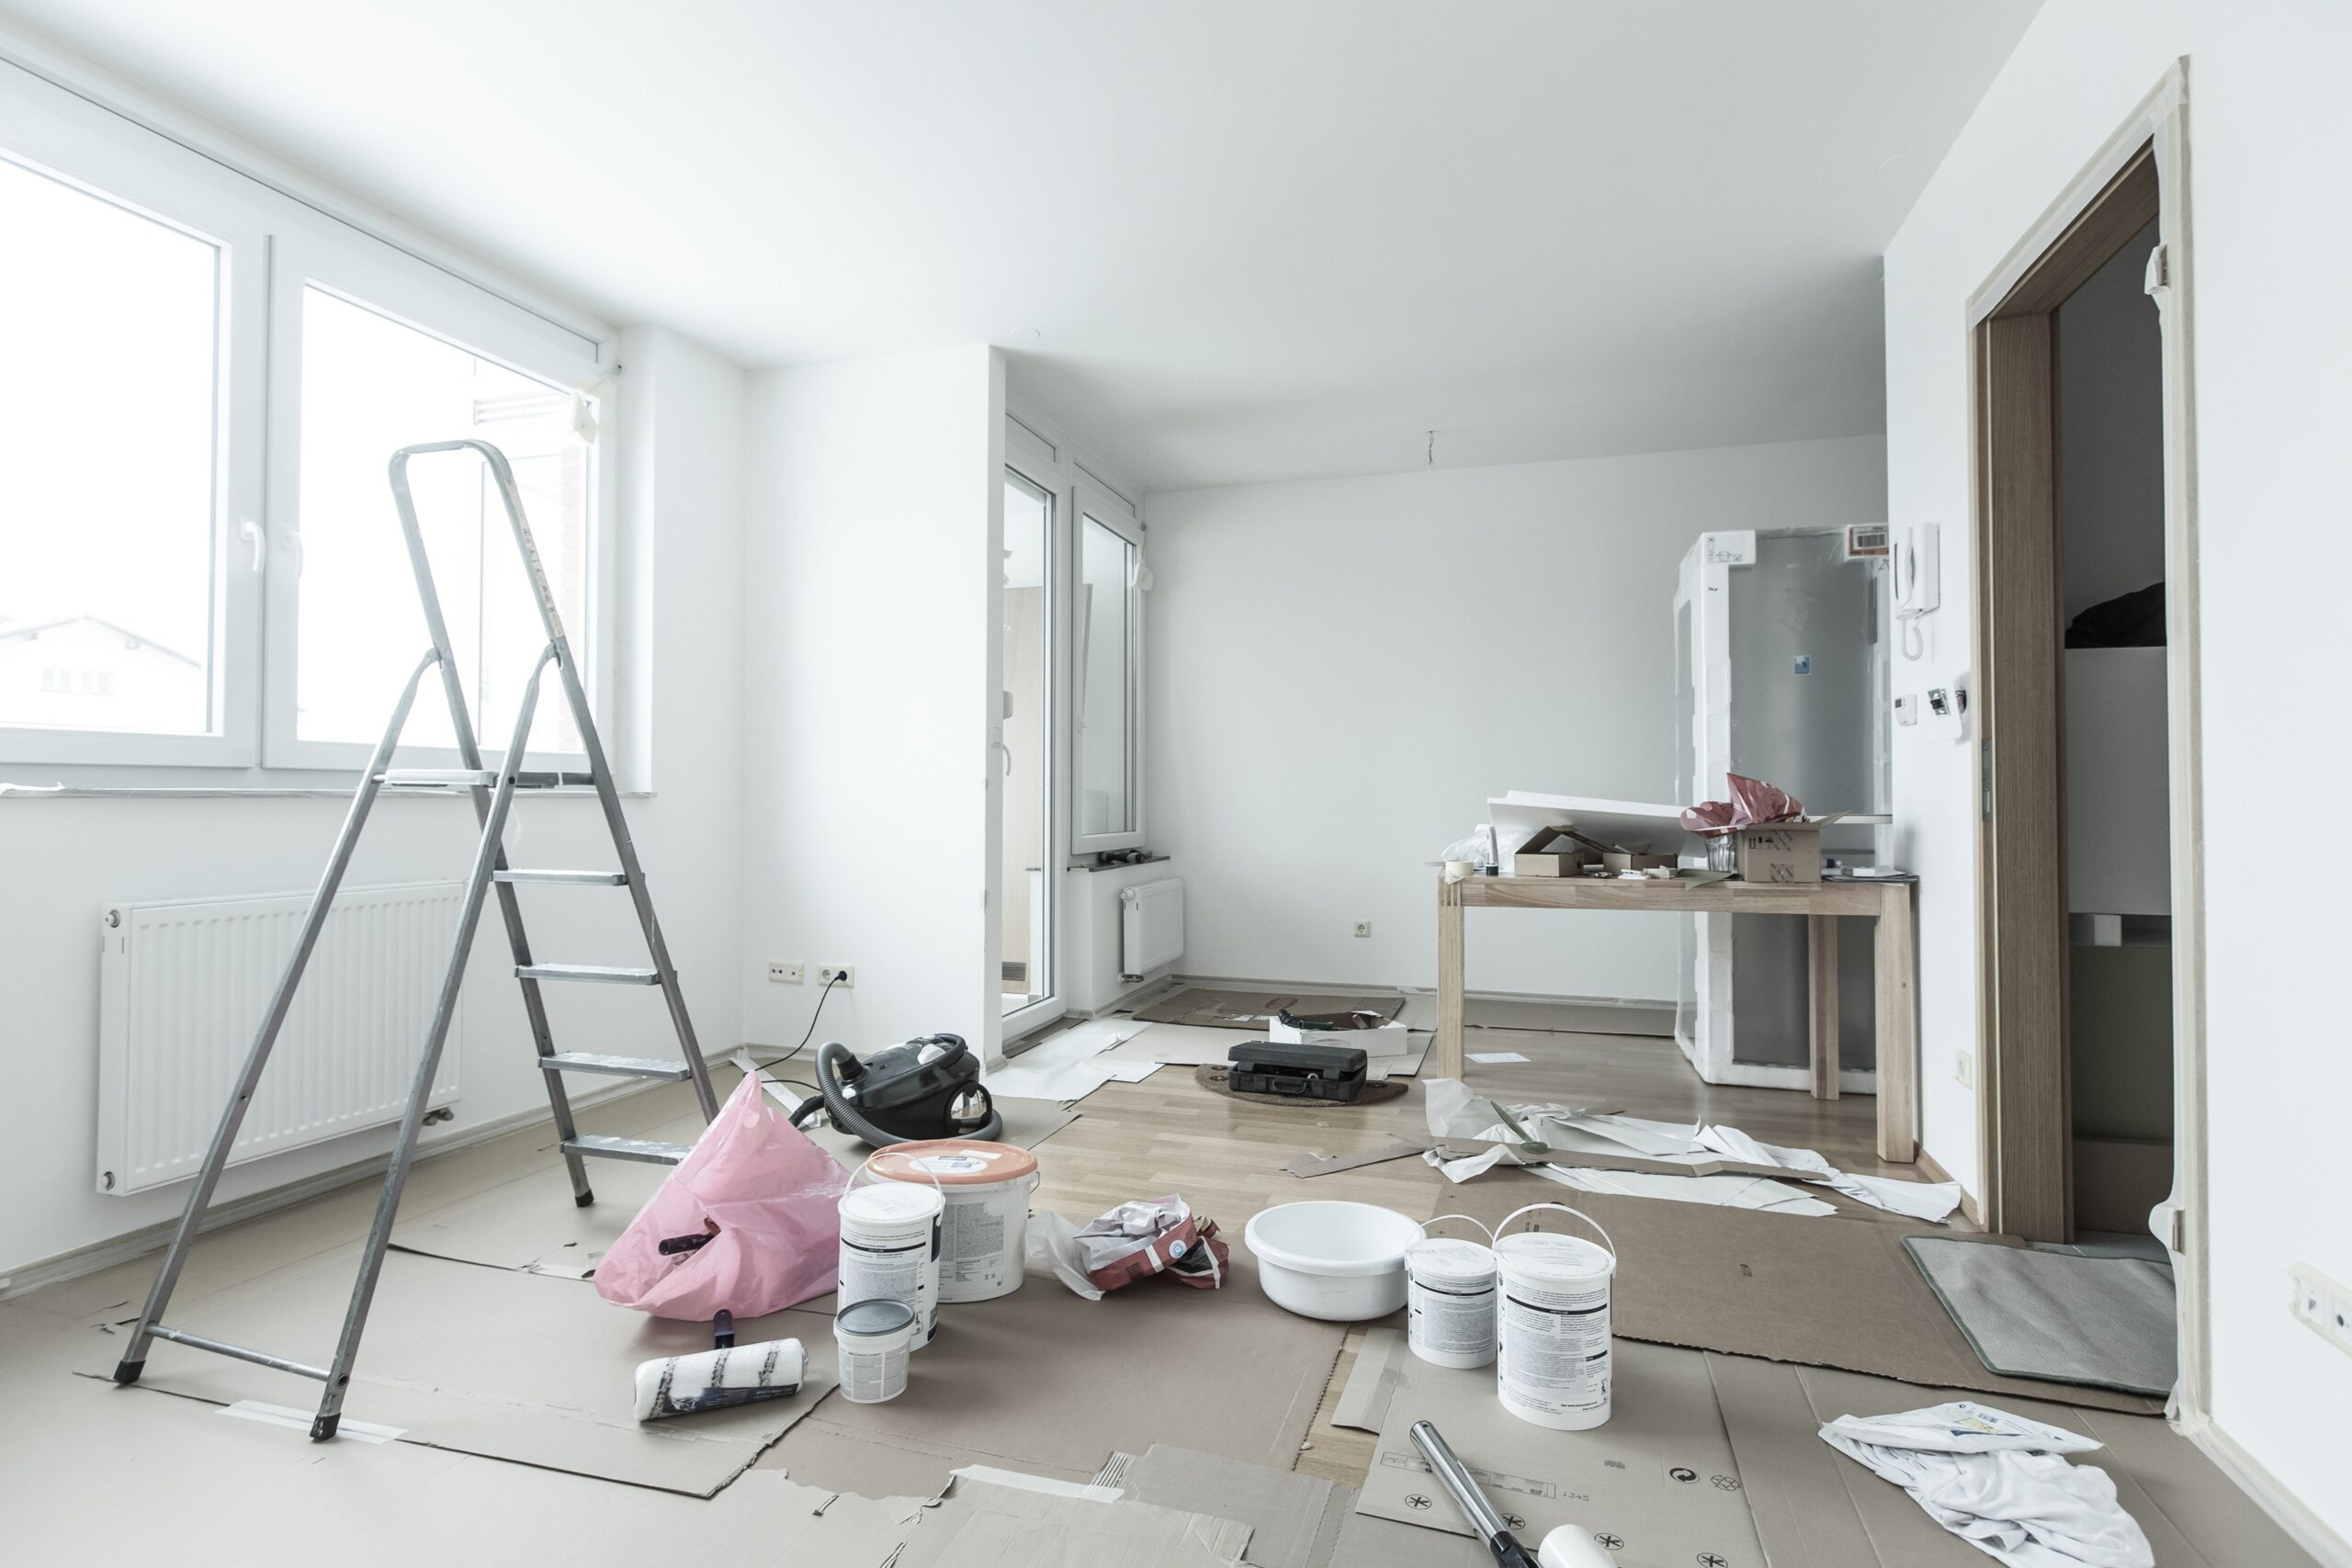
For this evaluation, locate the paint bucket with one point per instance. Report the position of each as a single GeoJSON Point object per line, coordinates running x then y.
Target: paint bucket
{"type": "Point", "coordinates": [876, 1340]}
{"type": "Point", "coordinates": [1553, 1365]}
{"type": "Point", "coordinates": [890, 1236]}
{"type": "Point", "coordinates": [1449, 1298]}
{"type": "Point", "coordinates": [984, 1233]}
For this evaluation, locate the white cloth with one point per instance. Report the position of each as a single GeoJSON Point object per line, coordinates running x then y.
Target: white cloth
{"type": "Point", "coordinates": [1998, 1483]}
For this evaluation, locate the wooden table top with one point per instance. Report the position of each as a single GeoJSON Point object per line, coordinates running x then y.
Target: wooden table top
{"type": "Point", "coordinates": [1730, 896]}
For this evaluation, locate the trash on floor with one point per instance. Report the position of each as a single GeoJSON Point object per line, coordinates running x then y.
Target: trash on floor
{"type": "Point", "coordinates": [1071, 1065]}
{"type": "Point", "coordinates": [1758, 1192]}
{"type": "Point", "coordinates": [1315, 1164]}
{"type": "Point", "coordinates": [2000, 1482]}
{"type": "Point", "coordinates": [1134, 1241]}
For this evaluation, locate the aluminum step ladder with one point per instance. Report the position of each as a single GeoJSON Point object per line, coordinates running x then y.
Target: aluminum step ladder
{"type": "Point", "coordinates": [494, 791]}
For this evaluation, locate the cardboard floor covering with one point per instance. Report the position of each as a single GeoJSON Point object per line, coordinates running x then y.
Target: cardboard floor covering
{"type": "Point", "coordinates": [1196, 1045]}
{"type": "Point", "coordinates": [1250, 1010]}
{"type": "Point", "coordinates": [1826, 1290]}
{"type": "Point", "coordinates": [498, 1362]}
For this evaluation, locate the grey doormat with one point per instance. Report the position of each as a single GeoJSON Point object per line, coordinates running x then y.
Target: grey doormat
{"type": "Point", "coordinates": [2099, 1321]}
{"type": "Point", "coordinates": [1252, 1009]}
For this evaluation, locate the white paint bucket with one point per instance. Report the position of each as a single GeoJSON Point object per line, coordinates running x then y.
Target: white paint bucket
{"type": "Point", "coordinates": [1449, 1298]}
{"type": "Point", "coordinates": [984, 1234]}
{"type": "Point", "coordinates": [1553, 1366]}
{"type": "Point", "coordinates": [876, 1340]}
{"type": "Point", "coordinates": [890, 1236]}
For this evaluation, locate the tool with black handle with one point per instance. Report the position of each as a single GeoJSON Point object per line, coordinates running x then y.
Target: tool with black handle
{"type": "Point", "coordinates": [1566, 1547]}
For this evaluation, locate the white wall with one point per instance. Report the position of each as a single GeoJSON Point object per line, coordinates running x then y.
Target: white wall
{"type": "Point", "coordinates": [1345, 670]}
{"type": "Point", "coordinates": [69, 859]}
{"type": "Point", "coordinates": [2274, 401]}
{"type": "Point", "coordinates": [870, 589]}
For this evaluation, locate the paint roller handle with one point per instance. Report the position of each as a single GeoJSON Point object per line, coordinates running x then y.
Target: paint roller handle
{"type": "Point", "coordinates": [1472, 1502]}
{"type": "Point", "coordinates": [722, 1330]}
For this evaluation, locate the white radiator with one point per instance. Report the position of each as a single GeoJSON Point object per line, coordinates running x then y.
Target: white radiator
{"type": "Point", "coordinates": [1152, 927]}
{"type": "Point", "coordinates": [182, 989]}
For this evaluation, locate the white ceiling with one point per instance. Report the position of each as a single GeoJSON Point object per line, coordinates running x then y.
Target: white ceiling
{"type": "Point", "coordinates": [1227, 240]}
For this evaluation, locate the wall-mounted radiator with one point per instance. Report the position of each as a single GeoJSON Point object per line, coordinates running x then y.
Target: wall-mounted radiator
{"type": "Point", "coordinates": [182, 987]}
{"type": "Point", "coordinates": [1152, 927]}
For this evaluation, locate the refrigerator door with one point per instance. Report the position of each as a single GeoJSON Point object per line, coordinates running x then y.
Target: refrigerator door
{"type": "Point", "coordinates": [1808, 714]}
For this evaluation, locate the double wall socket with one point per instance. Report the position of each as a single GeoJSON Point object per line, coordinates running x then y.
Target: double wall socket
{"type": "Point", "coordinates": [2325, 1306]}
{"type": "Point", "coordinates": [784, 973]}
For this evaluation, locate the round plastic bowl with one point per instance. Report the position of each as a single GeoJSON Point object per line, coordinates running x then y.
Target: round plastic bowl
{"type": "Point", "coordinates": [1344, 1262]}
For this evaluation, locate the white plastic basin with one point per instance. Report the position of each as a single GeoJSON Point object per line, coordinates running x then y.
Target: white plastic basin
{"type": "Point", "coordinates": [1343, 1262]}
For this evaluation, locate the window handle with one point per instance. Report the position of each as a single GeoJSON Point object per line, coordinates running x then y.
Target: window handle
{"type": "Point", "coordinates": [249, 532]}
{"type": "Point", "coordinates": [292, 545]}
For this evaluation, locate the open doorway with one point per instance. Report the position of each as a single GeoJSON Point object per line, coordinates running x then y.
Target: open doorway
{"type": "Point", "coordinates": [1027, 906]}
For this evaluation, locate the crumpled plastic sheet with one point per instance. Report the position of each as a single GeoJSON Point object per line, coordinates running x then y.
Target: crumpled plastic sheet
{"type": "Point", "coordinates": [1753, 803]}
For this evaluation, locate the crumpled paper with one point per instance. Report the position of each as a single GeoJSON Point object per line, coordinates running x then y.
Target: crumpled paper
{"type": "Point", "coordinates": [1753, 803]}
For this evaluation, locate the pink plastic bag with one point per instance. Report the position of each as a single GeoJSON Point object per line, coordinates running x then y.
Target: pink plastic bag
{"type": "Point", "coordinates": [774, 1197]}
{"type": "Point", "coordinates": [1753, 803]}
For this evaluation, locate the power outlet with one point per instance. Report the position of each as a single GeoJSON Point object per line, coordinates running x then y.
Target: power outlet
{"type": "Point", "coordinates": [1363, 928]}
{"type": "Point", "coordinates": [841, 975]}
{"type": "Point", "coordinates": [1964, 1069]}
{"type": "Point", "coordinates": [2325, 1306]}
{"type": "Point", "coordinates": [784, 973]}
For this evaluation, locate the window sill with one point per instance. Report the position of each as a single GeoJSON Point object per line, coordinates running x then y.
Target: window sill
{"type": "Point", "coordinates": [169, 792]}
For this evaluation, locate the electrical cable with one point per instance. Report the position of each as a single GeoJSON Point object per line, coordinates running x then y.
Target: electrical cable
{"type": "Point", "coordinates": [766, 1072]}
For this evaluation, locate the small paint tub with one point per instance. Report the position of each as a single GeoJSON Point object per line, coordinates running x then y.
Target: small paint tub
{"type": "Point", "coordinates": [890, 1239]}
{"type": "Point", "coordinates": [984, 1232]}
{"type": "Point", "coordinates": [1553, 1361]}
{"type": "Point", "coordinates": [1450, 1299]}
{"type": "Point", "coordinates": [876, 1340]}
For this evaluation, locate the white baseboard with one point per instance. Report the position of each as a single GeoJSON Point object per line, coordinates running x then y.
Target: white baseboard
{"type": "Point", "coordinates": [2291, 1512]}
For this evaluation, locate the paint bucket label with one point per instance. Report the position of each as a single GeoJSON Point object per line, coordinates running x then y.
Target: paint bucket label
{"type": "Point", "coordinates": [1553, 1365]}
{"type": "Point", "coordinates": [1450, 1299]}
{"type": "Point", "coordinates": [984, 1232]}
{"type": "Point", "coordinates": [876, 1340]}
{"type": "Point", "coordinates": [891, 1247]}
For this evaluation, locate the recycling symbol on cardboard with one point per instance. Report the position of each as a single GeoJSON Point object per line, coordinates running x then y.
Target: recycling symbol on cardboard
{"type": "Point", "coordinates": [1684, 1473]}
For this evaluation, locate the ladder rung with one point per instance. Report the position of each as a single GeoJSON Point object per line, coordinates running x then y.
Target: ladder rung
{"type": "Point", "coordinates": [618, 1067]}
{"type": "Point", "coordinates": [643, 1149]}
{"type": "Point", "coordinates": [440, 778]}
{"type": "Point", "coordinates": [553, 781]}
{"type": "Point", "coordinates": [577, 878]}
{"type": "Point", "coordinates": [587, 972]}
{"type": "Point", "coordinates": [222, 1348]}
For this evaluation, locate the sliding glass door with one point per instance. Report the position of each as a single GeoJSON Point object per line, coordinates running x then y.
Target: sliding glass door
{"type": "Point", "coordinates": [1029, 783]}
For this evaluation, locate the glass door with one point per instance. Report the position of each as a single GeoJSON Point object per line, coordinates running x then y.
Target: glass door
{"type": "Point", "coordinates": [1028, 758]}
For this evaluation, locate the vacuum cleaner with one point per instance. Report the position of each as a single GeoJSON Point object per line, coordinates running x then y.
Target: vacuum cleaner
{"type": "Point", "coordinates": [1566, 1547]}
{"type": "Point", "coordinates": [923, 1088]}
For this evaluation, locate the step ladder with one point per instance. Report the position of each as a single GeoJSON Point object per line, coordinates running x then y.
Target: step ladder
{"type": "Point", "coordinates": [494, 791]}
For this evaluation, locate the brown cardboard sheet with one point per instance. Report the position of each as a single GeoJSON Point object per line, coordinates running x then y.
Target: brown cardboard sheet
{"type": "Point", "coordinates": [532, 1223]}
{"type": "Point", "coordinates": [1198, 1045]}
{"type": "Point", "coordinates": [1313, 1164]}
{"type": "Point", "coordinates": [1829, 1290]}
{"type": "Point", "coordinates": [986, 1525]}
{"type": "Point", "coordinates": [1045, 1379]}
{"type": "Point", "coordinates": [498, 1362]}
{"type": "Point", "coordinates": [1294, 1520]}
{"type": "Point", "coordinates": [1656, 1481]}
{"type": "Point", "coordinates": [825, 1453]}
{"type": "Point", "coordinates": [1249, 1010]}
{"type": "Point", "coordinates": [1813, 1505]}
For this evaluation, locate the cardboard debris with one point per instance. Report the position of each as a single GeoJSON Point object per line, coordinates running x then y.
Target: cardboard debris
{"type": "Point", "coordinates": [505, 1364]}
{"type": "Point", "coordinates": [1312, 1164]}
{"type": "Point", "coordinates": [1202, 1008]}
{"type": "Point", "coordinates": [824, 1453]}
{"type": "Point", "coordinates": [1008, 1522]}
{"type": "Point", "coordinates": [1199, 1046]}
{"type": "Point", "coordinates": [1293, 1520]}
{"type": "Point", "coordinates": [1833, 1292]}
{"type": "Point", "coordinates": [1658, 1479]}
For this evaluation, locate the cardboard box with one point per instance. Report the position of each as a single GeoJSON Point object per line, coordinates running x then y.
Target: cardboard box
{"type": "Point", "coordinates": [1390, 1039]}
{"type": "Point", "coordinates": [1553, 851]}
{"type": "Point", "coordinates": [1783, 851]}
{"type": "Point", "coordinates": [1616, 862]}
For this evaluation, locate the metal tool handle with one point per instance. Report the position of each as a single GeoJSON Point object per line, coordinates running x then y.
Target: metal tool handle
{"type": "Point", "coordinates": [1470, 1499]}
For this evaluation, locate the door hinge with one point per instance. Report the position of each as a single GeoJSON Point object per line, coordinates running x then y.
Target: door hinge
{"type": "Point", "coordinates": [2158, 278]}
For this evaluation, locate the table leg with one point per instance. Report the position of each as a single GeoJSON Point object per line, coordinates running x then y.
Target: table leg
{"type": "Point", "coordinates": [1449, 982]}
{"type": "Point", "coordinates": [1821, 953]}
{"type": "Point", "coordinates": [1898, 1075]}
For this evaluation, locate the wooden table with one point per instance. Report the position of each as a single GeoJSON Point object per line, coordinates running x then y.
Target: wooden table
{"type": "Point", "coordinates": [1889, 903]}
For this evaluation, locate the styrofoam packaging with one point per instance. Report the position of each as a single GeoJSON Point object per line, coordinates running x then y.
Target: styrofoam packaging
{"type": "Point", "coordinates": [1391, 1039]}
{"type": "Point", "coordinates": [890, 1239]}
{"type": "Point", "coordinates": [984, 1232]}
{"type": "Point", "coordinates": [1552, 1359]}
{"type": "Point", "coordinates": [1450, 1301]}
{"type": "Point", "coordinates": [876, 1339]}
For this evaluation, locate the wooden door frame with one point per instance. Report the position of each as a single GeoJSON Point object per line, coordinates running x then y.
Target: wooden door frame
{"type": "Point", "coordinates": [2023, 1105]}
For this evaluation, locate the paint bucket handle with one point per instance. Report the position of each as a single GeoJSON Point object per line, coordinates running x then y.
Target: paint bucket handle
{"type": "Point", "coordinates": [1466, 1220]}
{"type": "Point", "coordinates": [1580, 1214]}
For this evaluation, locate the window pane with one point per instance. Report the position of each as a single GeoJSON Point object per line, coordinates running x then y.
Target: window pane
{"type": "Point", "coordinates": [107, 444]}
{"type": "Point", "coordinates": [371, 386]}
{"type": "Point", "coordinates": [1028, 931]}
{"type": "Point", "coordinates": [1106, 683]}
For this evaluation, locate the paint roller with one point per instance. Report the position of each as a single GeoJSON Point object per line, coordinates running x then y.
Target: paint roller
{"type": "Point", "coordinates": [1565, 1547]}
{"type": "Point", "coordinates": [725, 1375]}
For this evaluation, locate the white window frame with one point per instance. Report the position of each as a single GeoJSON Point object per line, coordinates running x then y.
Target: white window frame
{"type": "Point", "coordinates": [272, 243]}
{"type": "Point", "coordinates": [1098, 502]}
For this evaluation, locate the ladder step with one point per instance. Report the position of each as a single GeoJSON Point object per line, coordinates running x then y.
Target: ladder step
{"type": "Point", "coordinates": [587, 972]}
{"type": "Point", "coordinates": [440, 778]}
{"type": "Point", "coordinates": [643, 1149]}
{"type": "Point", "coordinates": [576, 878]}
{"type": "Point", "coordinates": [222, 1348]}
{"type": "Point", "coordinates": [617, 1066]}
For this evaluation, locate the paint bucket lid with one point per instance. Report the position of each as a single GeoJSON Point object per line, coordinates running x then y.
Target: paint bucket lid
{"type": "Point", "coordinates": [1451, 1261]}
{"type": "Point", "coordinates": [954, 1162]}
{"type": "Point", "coordinates": [1548, 1256]}
{"type": "Point", "coordinates": [873, 1320]}
{"type": "Point", "coordinates": [891, 1202]}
